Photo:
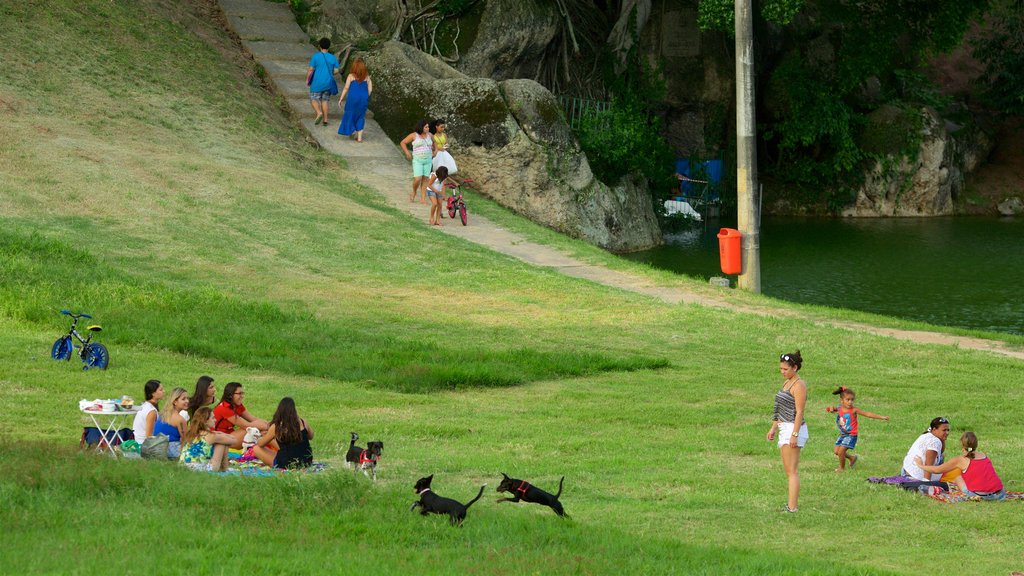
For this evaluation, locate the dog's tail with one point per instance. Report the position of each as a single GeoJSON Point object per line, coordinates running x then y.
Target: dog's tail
{"type": "Point", "coordinates": [560, 487]}
{"type": "Point", "coordinates": [354, 438]}
{"type": "Point", "coordinates": [470, 503]}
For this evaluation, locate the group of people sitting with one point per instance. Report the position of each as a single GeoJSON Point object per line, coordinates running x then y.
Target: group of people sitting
{"type": "Point", "coordinates": [971, 471]}
{"type": "Point", "coordinates": [201, 432]}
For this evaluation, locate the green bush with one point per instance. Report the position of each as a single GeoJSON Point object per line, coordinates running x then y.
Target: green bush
{"type": "Point", "coordinates": [625, 139]}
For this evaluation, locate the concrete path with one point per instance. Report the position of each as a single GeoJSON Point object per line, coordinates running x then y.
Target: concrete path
{"type": "Point", "coordinates": [269, 32]}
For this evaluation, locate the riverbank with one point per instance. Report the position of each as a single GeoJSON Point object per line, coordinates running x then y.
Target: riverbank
{"type": "Point", "coordinates": [188, 214]}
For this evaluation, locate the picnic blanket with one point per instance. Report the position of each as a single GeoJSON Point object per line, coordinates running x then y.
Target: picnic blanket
{"type": "Point", "coordinates": [256, 468]}
{"type": "Point", "coordinates": [950, 494]}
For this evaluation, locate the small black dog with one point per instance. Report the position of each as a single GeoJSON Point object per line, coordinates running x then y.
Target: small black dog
{"type": "Point", "coordinates": [523, 490]}
{"type": "Point", "coordinates": [431, 503]}
{"type": "Point", "coordinates": [364, 460]}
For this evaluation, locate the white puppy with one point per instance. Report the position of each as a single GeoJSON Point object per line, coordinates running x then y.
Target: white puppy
{"type": "Point", "coordinates": [251, 436]}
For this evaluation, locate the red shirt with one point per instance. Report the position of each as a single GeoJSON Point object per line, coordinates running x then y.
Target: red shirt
{"type": "Point", "coordinates": [981, 476]}
{"type": "Point", "coordinates": [222, 412]}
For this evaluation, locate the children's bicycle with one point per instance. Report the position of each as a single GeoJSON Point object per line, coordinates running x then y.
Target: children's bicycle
{"type": "Point", "coordinates": [93, 354]}
{"type": "Point", "coordinates": [457, 204]}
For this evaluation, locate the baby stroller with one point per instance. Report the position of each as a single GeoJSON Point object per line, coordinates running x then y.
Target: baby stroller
{"type": "Point", "coordinates": [456, 203]}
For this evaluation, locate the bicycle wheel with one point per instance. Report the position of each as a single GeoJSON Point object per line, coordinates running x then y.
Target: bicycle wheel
{"type": "Point", "coordinates": [462, 214]}
{"type": "Point", "coordinates": [95, 356]}
{"type": "Point", "coordinates": [451, 210]}
{"type": "Point", "coordinates": [62, 348]}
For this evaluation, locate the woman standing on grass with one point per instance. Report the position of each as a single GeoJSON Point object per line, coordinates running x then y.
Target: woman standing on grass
{"type": "Point", "coordinates": [205, 394]}
{"type": "Point", "coordinates": [358, 87]}
{"type": "Point", "coordinates": [232, 417]}
{"type": "Point", "coordinates": [978, 477]}
{"type": "Point", "coordinates": [788, 420]}
{"type": "Point", "coordinates": [145, 420]}
{"type": "Point", "coordinates": [421, 156]}
{"type": "Point", "coordinates": [203, 448]}
{"type": "Point", "coordinates": [173, 421]}
{"type": "Point", "coordinates": [292, 435]}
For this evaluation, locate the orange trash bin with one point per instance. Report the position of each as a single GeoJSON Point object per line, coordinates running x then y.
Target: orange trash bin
{"type": "Point", "coordinates": [729, 250]}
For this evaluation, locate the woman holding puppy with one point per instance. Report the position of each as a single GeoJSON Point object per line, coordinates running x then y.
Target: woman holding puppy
{"type": "Point", "coordinates": [788, 421]}
{"type": "Point", "coordinates": [292, 434]}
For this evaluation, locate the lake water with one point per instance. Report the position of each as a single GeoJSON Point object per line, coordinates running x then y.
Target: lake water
{"type": "Point", "coordinates": [957, 271]}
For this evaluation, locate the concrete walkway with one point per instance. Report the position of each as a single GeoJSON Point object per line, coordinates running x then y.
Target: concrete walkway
{"type": "Point", "coordinates": [269, 32]}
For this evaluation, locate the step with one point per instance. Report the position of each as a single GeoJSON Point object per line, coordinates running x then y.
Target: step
{"type": "Point", "coordinates": [375, 147]}
{"type": "Point", "coordinates": [291, 88]}
{"type": "Point", "coordinates": [278, 11]}
{"type": "Point", "coordinates": [286, 68]}
{"type": "Point", "coordinates": [303, 109]}
{"type": "Point", "coordinates": [255, 29]}
{"type": "Point", "coordinates": [269, 50]}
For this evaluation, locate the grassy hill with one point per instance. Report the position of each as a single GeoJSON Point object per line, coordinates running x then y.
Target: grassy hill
{"type": "Point", "coordinates": [147, 177]}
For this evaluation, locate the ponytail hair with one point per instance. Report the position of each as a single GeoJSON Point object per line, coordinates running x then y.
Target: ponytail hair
{"type": "Point", "coordinates": [844, 391]}
{"type": "Point", "coordinates": [793, 359]}
{"type": "Point", "coordinates": [970, 443]}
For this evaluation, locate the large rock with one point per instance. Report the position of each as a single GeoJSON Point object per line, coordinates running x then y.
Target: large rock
{"type": "Point", "coordinates": [511, 138]}
{"type": "Point", "coordinates": [1011, 206]}
{"type": "Point", "coordinates": [349, 21]}
{"type": "Point", "coordinates": [511, 38]}
{"type": "Point", "coordinates": [927, 183]}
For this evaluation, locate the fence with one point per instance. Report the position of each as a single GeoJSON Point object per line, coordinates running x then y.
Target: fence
{"type": "Point", "coordinates": [576, 109]}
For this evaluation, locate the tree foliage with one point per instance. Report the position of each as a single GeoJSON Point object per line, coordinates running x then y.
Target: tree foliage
{"type": "Point", "coordinates": [837, 61]}
{"type": "Point", "coordinates": [1002, 52]}
{"type": "Point", "coordinates": [720, 14]}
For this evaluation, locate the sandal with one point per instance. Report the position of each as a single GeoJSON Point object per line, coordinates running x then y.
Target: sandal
{"type": "Point", "coordinates": [317, 121]}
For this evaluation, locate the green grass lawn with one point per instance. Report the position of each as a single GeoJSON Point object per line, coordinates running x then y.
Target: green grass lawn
{"type": "Point", "coordinates": [147, 178]}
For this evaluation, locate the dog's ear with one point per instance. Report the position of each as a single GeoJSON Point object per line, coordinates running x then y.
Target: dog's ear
{"type": "Point", "coordinates": [505, 475]}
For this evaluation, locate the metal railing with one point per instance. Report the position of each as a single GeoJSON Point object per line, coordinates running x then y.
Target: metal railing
{"type": "Point", "coordinates": [576, 109]}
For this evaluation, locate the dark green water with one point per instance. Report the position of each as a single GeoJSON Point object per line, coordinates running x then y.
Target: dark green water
{"type": "Point", "coordinates": [961, 271]}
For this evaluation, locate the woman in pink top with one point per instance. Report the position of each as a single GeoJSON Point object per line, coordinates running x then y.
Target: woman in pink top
{"type": "Point", "coordinates": [979, 477]}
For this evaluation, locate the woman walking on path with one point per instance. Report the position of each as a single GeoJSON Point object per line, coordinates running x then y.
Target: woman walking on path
{"type": "Point", "coordinates": [788, 420]}
{"type": "Point", "coordinates": [421, 156]}
{"type": "Point", "coordinates": [441, 155]}
{"type": "Point", "coordinates": [358, 87]}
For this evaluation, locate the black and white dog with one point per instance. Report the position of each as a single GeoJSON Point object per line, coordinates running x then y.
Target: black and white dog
{"type": "Point", "coordinates": [365, 460]}
{"type": "Point", "coordinates": [523, 490]}
{"type": "Point", "coordinates": [431, 503]}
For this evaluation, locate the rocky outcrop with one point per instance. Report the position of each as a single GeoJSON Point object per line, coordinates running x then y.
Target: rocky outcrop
{"type": "Point", "coordinates": [925, 183]}
{"type": "Point", "coordinates": [511, 38]}
{"type": "Point", "coordinates": [1011, 207]}
{"type": "Point", "coordinates": [511, 138]}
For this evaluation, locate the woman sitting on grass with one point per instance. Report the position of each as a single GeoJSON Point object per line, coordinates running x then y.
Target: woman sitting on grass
{"type": "Point", "coordinates": [293, 436]}
{"type": "Point", "coordinates": [232, 417]}
{"type": "Point", "coordinates": [203, 448]}
{"type": "Point", "coordinates": [205, 394]}
{"type": "Point", "coordinates": [173, 420]}
{"type": "Point", "coordinates": [145, 419]}
{"type": "Point", "coordinates": [978, 476]}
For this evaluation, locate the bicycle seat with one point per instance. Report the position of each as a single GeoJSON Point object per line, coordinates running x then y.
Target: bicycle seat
{"type": "Point", "coordinates": [95, 328]}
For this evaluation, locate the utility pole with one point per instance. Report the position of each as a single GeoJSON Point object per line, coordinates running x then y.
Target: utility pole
{"type": "Point", "coordinates": [748, 204]}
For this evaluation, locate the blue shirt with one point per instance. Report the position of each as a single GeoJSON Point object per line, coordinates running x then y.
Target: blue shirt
{"type": "Point", "coordinates": [172, 433]}
{"type": "Point", "coordinates": [324, 65]}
